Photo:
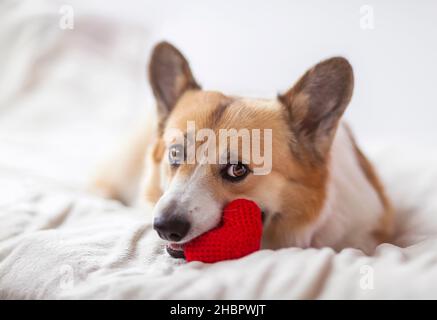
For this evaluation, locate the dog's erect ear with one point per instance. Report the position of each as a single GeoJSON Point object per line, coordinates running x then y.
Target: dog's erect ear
{"type": "Point", "coordinates": [170, 76]}
{"type": "Point", "coordinates": [316, 103]}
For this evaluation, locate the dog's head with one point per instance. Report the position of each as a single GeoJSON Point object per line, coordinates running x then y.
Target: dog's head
{"type": "Point", "coordinates": [296, 129]}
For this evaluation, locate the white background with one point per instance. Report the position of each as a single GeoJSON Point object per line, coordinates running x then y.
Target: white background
{"type": "Point", "coordinates": [260, 48]}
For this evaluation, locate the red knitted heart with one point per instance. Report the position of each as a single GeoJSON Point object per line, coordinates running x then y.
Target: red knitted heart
{"type": "Point", "coordinates": [238, 235]}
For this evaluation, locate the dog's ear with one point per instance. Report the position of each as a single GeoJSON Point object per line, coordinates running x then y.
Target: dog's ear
{"type": "Point", "coordinates": [170, 76]}
{"type": "Point", "coordinates": [316, 103]}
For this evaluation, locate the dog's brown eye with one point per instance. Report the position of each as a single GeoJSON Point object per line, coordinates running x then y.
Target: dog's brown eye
{"type": "Point", "coordinates": [235, 172]}
{"type": "Point", "coordinates": [176, 155]}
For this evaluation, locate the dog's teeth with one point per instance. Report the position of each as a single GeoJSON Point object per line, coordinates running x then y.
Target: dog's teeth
{"type": "Point", "coordinates": [176, 246]}
{"type": "Point", "coordinates": [175, 253]}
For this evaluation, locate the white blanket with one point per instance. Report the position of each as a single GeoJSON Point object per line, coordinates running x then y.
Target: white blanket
{"type": "Point", "coordinates": [65, 97]}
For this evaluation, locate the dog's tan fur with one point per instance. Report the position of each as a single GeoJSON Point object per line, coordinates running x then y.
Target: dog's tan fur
{"type": "Point", "coordinates": [385, 229]}
{"type": "Point", "coordinates": [295, 191]}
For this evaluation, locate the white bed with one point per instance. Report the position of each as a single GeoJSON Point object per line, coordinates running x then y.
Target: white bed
{"type": "Point", "coordinates": [65, 98]}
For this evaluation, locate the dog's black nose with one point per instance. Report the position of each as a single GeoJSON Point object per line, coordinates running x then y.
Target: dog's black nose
{"type": "Point", "coordinates": [171, 228]}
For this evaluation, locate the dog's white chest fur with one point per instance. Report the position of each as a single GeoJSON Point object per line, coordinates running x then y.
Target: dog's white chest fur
{"type": "Point", "coordinates": [352, 208]}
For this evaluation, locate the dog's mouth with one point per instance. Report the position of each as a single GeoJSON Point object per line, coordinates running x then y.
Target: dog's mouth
{"type": "Point", "coordinates": [175, 250]}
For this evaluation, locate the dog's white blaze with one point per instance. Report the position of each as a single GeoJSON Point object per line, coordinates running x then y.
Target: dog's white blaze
{"type": "Point", "coordinates": [262, 104]}
{"type": "Point", "coordinates": [352, 208]}
{"type": "Point", "coordinates": [192, 194]}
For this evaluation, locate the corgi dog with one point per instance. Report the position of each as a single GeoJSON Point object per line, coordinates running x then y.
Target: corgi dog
{"type": "Point", "coordinates": [320, 189]}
